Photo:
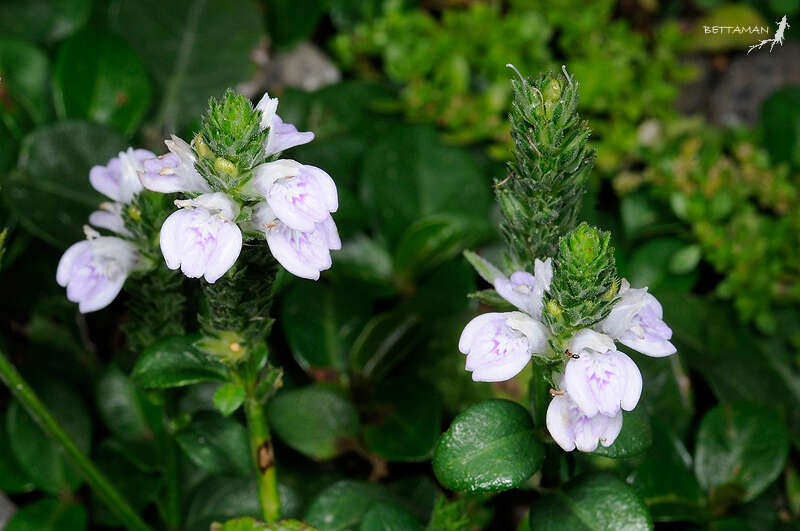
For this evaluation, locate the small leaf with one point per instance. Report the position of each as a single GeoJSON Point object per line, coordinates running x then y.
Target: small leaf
{"type": "Point", "coordinates": [25, 71]}
{"type": "Point", "coordinates": [491, 298]}
{"type": "Point", "coordinates": [217, 444]}
{"type": "Point", "coordinates": [343, 505]}
{"type": "Point", "coordinates": [42, 459]}
{"type": "Point", "coordinates": [97, 76]}
{"type": "Point", "coordinates": [385, 340]}
{"type": "Point", "coordinates": [636, 436]}
{"type": "Point", "coordinates": [389, 517]}
{"type": "Point", "coordinates": [315, 420]}
{"type": "Point", "coordinates": [406, 424]}
{"type": "Point", "coordinates": [485, 269]}
{"type": "Point", "coordinates": [591, 503]}
{"type": "Point", "coordinates": [429, 242]}
{"type": "Point", "coordinates": [489, 447]}
{"type": "Point", "coordinates": [228, 398]}
{"type": "Point", "coordinates": [740, 450]}
{"type": "Point", "coordinates": [49, 192]}
{"type": "Point", "coordinates": [120, 406]}
{"type": "Point", "coordinates": [685, 260]}
{"type": "Point", "coordinates": [49, 515]}
{"type": "Point", "coordinates": [175, 362]}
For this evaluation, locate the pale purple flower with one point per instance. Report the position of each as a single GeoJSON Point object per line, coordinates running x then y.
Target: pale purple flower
{"type": "Point", "coordinates": [300, 196]}
{"type": "Point", "coordinates": [281, 136]}
{"type": "Point", "coordinates": [201, 238]}
{"type": "Point", "coordinates": [571, 428]}
{"type": "Point", "coordinates": [602, 379]}
{"type": "Point", "coordinates": [637, 321]}
{"type": "Point", "coordinates": [526, 291]}
{"type": "Point", "coordinates": [303, 253]}
{"type": "Point", "coordinates": [499, 345]}
{"type": "Point", "coordinates": [173, 171]}
{"type": "Point", "coordinates": [119, 178]}
{"type": "Point", "coordinates": [94, 270]}
{"type": "Point", "coordinates": [110, 217]}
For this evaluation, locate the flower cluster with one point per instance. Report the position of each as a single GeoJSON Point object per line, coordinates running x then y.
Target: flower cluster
{"type": "Point", "coordinates": [597, 382]}
{"type": "Point", "coordinates": [289, 203]}
{"type": "Point", "coordinates": [94, 270]}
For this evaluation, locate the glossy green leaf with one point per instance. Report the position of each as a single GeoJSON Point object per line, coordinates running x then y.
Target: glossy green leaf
{"type": "Point", "coordinates": [49, 192]}
{"type": "Point", "coordinates": [591, 503]}
{"type": "Point", "coordinates": [42, 459]}
{"type": "Point", "coordinates": [666, 482]}
{"type": "Point", "coordinates": [385, 340]}
{"type": "Point", "coordinates": [217, 444]}
{"type": "Point", "coordinates": [343, 505]}
{"type": "Point", "coordinates": [405, 424]}
{"type": "Point", "coordinates": [389, 517]}
{"type": "Point", "coordinates": [25, 71]}
{"type": "Point", "coordinates": [217, 499]}
{"type": "Point", "coordinates": [635, 437]}
{"type": "Point", "coordinates": [315, 420]}
{"type": "Point", "coordinates": [488, 271]}
{"type": "Point", "coordinates": [43, 20]}
{"type": "Point", "coordinates": [321, 323]}
{"type": "Point", "coordinates": [98, 77]}
{"type": "Point", "coordinates": [180, 42]}
{"type": "Point", "coordinates": [49, 514]}
{"type": "Point", "coordinates": [489, 447]}
{"type": "Point", "coordinates": [228, 397]}
{"type": "Point", "coordinates": [429, 242]}
{"type": "Point", "coordinates": [176, 362]}
{"type": "Point", "coordinates": [365, 261]}
{"type": "Point", "coordinates": [409, 174]}
{"type": "Point", "coordinates": [740, 449]}
{"type": "Point", "coordinates": [120, 405]}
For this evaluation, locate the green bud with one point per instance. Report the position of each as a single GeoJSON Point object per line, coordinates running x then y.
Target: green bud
{"type": "Point", "coordinates": [552, 92]}
{"type": "Point", "coordinates": [135, 213]}
{"type": "Point", "coordinates": [222, 165]}
{"type": "Point", "coordinates": [227, 346]}
{"type": "Point", "coordinates": [202, 149]}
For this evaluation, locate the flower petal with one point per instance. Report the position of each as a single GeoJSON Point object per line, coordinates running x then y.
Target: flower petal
{"type": "Point", "coordinates": [473, 327]}
{"type": "Point", "coordinates": [229, 245]}
{"type": "Point", "coordinates": [633, 382]}
{"type": "Point", "coordinates": [558, 423]}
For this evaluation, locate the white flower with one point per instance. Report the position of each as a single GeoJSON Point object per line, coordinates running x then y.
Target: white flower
{"type": "Point", "coordinates": [300, 196]}
{"type": "Point", "coordinates": [571, 428]}
{"type": "Point", "coordinates": [94, 270]}
{"type": "Point", "coordinates": [201, 238]}
{"type": "Point", "coordinates": [110, 217]}
{"type": "Point", "coordinates": [281, 136]}
{"type": "Point", "coordinates": [602, 379]}
{"type": "Point", "coordinates": [499, 345]}
{"type": "Point", "coordinates": [526, 291]}
{"type": "Point", "coordinates": [119, 178]}
{"type": "Point", "coordinates": [303, 253]}
{"type": "Point", "coordinates": [637, 321]}
{"type": "Point", "coordinates": [173, 171]}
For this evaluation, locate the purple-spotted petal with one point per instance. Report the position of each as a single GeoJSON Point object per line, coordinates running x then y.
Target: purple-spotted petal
{"type": "Point", "coordinates": [571, 429]}
{"type": "Point", "coordinates": [495, 350]}
{"type": "Point", "coordinates": [602, 382]}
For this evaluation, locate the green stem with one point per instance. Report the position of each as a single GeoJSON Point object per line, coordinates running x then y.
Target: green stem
{"type": "Point", "coordinates": [262, 455]}
{"type": "Point", "coordinates": [96, 480]}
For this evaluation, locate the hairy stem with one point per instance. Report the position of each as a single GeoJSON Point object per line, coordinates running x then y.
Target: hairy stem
{"type": "Point", "coordinates": [96, 480]}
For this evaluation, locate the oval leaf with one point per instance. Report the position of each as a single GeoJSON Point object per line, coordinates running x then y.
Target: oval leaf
{"type": "Point", "coordinates": [489, 447]}
{"type": "Point", "coordinates": [217, 444]}
{"type": "Point", "coordinates": [636, 436]}
{"type": "Point", "coordinates": [175, 362]}
{"type": "Point", "coordinates": [343, 505]}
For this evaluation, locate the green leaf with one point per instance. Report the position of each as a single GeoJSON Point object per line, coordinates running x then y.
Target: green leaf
{"type": "Point", "coordinates": [649, 265]}
{"type": "Point", "coordinates": [228, 398]}
{"type": "Point", "coordinates": [409, 174]}
{"type": "Point", "coordinates": [41, 459]}
{"type": "Point", "coordinates": [98, 77]}
{"type": "Point", "coordinates": [489, 447]}
{"type": "Point", "coordinates": [430, 241]}
{"type": "Point", "coordinates": [49, 192]}
{"type": "Point", "coordinates": [218, 499]}
{"type": "Point", "coordinates": [636, 436]}
{"type": "Point", "coordinates": [291, 21]}
{"type": "Point", "coordinates": [217, 444]}
{"type": "Point", "coordinates": [385, 340]}
{"type": "Point", "coordinates": [389, 517]}
{"type": "Point", "coordinates": [668, 391]}
{"type": "Point", "coordinates": [25, 71]}
{"type": "Point", "coordinates": [176, 362]}
{"type": "Point", "coordinates": [180, 43]}
{"type": "Point", "coordinates": [591, 503]}
{"type": "Point", "coordinates": [321, 323]}
{"type": "Point", "coordinates": [43, 20]}
{"type": "Point", "coordinates": [685, 260]}
{"type": "Point", "coordinates": [407, 423]}
{"type": "Point", "coordinates": [740, 450]}
{"type": "Point", "coordinates": [120, 405]}
{"type": "Point", "coordinates": [366, 261]}
{"type": "Point", "coordinates": [12, 477]}
{"type": "Point", "coordinates": [315, 420]}
{"type": "Point", "coordinates": [484, 267]}
{"type": "Point", "coordinates": [780, 119]}
{"type": "Point", "coordinates": [666, 482]}
{"type": "Point", "coordinates": [49, 515]}
{"type": "Point", "coordinates": [343, 505]}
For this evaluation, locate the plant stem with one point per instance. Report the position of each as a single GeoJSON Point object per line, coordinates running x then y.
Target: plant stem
{"type": "Point", "coordinates": [263, 456]}
{"type": "Point", "coordinates": [96, 480]}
